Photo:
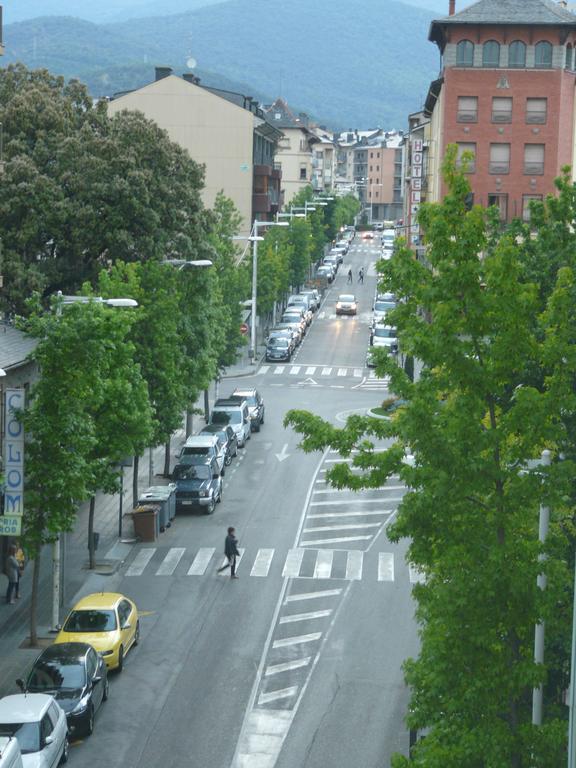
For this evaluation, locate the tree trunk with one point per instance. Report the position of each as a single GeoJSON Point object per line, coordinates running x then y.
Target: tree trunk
{"type": "Point", "coordinates": [206, 406]}
{"type": "Point", "coordinates": [135, 468]}
{"type": "Point", "coordinates": [34, 600]}
{"type": "Point", "coordinates": [167, 458]}
{"type": "Point", "coordinates": [91, 550]}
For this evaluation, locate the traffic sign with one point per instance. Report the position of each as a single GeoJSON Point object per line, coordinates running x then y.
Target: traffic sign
{"type": "Point", "coordinates": [244, 328]}
{"type": "Point", "coordinates": [10, 525]}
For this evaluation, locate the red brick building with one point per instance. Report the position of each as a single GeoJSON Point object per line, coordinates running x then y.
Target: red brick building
{"type": "Point", "coordinates": [506, 94]}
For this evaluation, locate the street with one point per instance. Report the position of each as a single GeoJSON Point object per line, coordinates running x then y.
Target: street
{"type": "Point", "coordinates": [298, 663]}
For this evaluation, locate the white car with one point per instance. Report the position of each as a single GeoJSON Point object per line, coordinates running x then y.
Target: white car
{"type": "Point", "coordinates": [381, 309]}
{"type": "Point", "coordinates": [39, 724]}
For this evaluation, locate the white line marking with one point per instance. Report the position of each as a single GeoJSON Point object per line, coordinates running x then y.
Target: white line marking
{"type": "Point", "coordinates": [338, 540]}
{"type": "Point", "coordinates": [286, 642]}
{"type": "Point", "coordinates": [386, 566]}
{"type": "Point", "coordinates": [282, 693]}
{"type": "Point", "coordinates": [347, 490]}
{"type": "Point", "coordinates": [321, 515]}
{"type": "Point", "coordinates": [354, 563]}
{"type": "Point", "coordinates": [340, 460]}
{"type": "Point", "coordinates": [416, 576]}
{"type": "Point", "coordinates": [345, 527]}
{"type": "Point", "coordinates": [342, 371]}
{"type": "Point", "coordinates": [305, 616]}
{"type": "Point", "coordinates": [326, 371]}
{"type": "Point", "coordinates": [334, 502]}
{"type": "Point", "coordinates": [312, 595]}
{"type": "Point", "coordinates": [170, 562]}
{"type": "Point", "coordinates": [287, 666]}
{"type": "Point", "coordinates": [264, 369]}
{"type": "Point", "coordinates": [323, 567]}
{"type": "Point", "coordinates": [201, 561]}
{"type": "Point", "coordinates": [140, 561]}
{"type": "Point", "coordinates": [293, 563]}
{"type": "Point", "coordinates": [310, 370]}
{"type": "Point", "coordinates": [279, 369]}
{"type": "Point", "coordinates": [225, 562]}
{"type": "Point", "coordinates": [294, 370]}
{"type": "Point", "coordinates": [358, 373]}
{"type": "Point", "coordinates": [262, 562]}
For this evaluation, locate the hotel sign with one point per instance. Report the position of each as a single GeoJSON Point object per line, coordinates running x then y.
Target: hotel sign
{"type": "Point", "coordinates": [14, 455]}
{"type": "Point", "coordinates": [415, 189]}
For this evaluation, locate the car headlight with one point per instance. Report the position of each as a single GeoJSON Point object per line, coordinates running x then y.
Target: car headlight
{"type": "Point", "coordinates": [82, 704]}
{"type": "Point", "coordinates": [338, 306]}
{"type": "Point", "coordinates": [203, 494]}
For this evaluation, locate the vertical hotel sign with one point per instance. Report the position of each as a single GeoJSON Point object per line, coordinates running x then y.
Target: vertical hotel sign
{"type": "Point", "coordinates": [11, 521]}
{"type": "Point", "coordinates": [416, 190]}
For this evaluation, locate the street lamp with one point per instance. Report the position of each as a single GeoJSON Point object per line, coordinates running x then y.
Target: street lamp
{"type": "Point", "coordinates": [181, 264]}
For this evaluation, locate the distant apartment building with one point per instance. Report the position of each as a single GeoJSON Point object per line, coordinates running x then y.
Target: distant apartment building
{"type": "Point", "coordinates": [295, 148]}
{"type": "Point", "coordinates": [324, 159]}
{"type": "Point", "coordinates": [223, 130]}
{"type": "Point", "coordinates": [505, 95]}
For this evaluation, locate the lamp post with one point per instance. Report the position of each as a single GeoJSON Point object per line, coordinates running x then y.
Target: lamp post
{"type": "Point", "coordinates": [57, 545]}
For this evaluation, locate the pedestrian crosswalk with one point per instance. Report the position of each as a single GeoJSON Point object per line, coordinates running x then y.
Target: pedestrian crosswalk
{"type": "Point", "coordinates": [297, 563]}
{"type": "Point", "coordinates": [337, 371]}
{"type": "Point", "coordinates": [374, 382]}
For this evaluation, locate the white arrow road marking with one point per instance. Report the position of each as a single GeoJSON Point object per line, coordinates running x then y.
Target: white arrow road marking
{"type": "Point", "coordinates": [283, 453]}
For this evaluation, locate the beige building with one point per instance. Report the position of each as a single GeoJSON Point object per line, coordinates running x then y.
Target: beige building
{"type": "Point", "coordinates": [295, 150]}
{"type": "Point", "coordinates": [226, 132]}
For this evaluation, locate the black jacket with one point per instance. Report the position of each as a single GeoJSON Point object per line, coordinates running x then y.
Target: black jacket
{"type": "Point", "coordinates": [230, 548]}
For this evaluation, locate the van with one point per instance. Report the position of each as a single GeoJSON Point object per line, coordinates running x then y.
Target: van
{"type": "Point", "coordinates": [233, 411]}
{"type": "Point", "coordinates": [10, 756]}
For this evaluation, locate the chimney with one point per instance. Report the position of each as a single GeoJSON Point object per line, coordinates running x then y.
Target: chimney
{"type": "Point", "coordinates": [162, 72]}
{"type": "Point", "coordinates": [190, 78]}
{"type": "Point", "coordinates": [451, 7]}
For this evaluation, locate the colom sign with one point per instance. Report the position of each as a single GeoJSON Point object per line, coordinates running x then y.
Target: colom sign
{"type": "Point", "coordinates": [13, 464]}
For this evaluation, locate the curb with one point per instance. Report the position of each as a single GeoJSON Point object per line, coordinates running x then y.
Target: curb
{"type": "Point", "coordinates": [371, 413]}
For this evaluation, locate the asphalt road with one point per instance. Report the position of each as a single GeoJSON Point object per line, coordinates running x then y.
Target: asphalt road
{"type": "Point", "coordinates": [298, 663]}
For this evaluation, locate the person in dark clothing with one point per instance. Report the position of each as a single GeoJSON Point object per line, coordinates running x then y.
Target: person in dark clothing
{"type": "Point", "coordinates": [361, 276]}
{"type": "Point", "coordinates": [231, 552]}
{"type": "Point", "coordinates": [12, 571]}
{"type": "Point", "coordinates": [349, 275]}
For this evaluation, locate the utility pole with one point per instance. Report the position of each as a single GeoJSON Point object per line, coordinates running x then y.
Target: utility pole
{"type": "Point", "coordinates": [538, 693]}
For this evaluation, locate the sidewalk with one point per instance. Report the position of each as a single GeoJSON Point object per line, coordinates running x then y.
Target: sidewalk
{"type": "Point", "coordinates": [244, 367]}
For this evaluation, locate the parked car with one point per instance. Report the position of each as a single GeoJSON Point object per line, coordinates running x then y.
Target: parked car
{"type": "Point", "coordinates": [326, 270]}
{"type": "Point", "coordinates": [346, 304]}
{"type": "Point", "coordinates": [284, 333]}
{"type": "Point", "coordinates": [294, 315]}
{"type": "Point", "coordinates": [227, 438]}
{"type": "Point", "coordinates": [38, 723]}
{"type": "Point", "coordinates": [77, 677]}
{"type": "Point", "coordinates": [278, 350]}
{"type": "Point", "coordinates": [381, 309]}
{"type": "Point", "coordinates": [338, 253]}
{"type": "Point", "coordinates": [108, 621]}
{"type": "Point", "coordinates": [10, 755]}
{"type": "Point", "coordinates": [294, 327]}
{"type": "Point", "coordinates": [303, 303]}
{"type": "Point", "coordinates": [384, 336]}
{"type": "Point", "coordinates": [233, 411]}
{"type": "Point", "coordinates": [199, 448]}
{"type": "Point", "coordinates": [332, 260]}
{"type": "Point", "coordinates": [314, 296]}
{"type": "Point", "coordinates": [198, 487]}
{"type": "Point", "coordinates": [255, 406]}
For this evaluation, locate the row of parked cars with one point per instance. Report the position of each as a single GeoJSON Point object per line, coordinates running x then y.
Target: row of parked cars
{"type": "Point", "coordinates": [382, 333]}
{"type": "Point", "coordinates": [335, 255]}
{"type": "Point", "coordinates": [289, 333]}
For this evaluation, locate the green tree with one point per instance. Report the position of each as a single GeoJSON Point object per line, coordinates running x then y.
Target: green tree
{"type": "Point", "coordinates": [471, 422]}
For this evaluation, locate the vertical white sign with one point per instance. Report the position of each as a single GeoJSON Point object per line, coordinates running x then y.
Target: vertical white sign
{"type": "Point", "coordinates": [14, 454]}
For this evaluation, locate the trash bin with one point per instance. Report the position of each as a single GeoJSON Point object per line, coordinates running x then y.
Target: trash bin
{"type": "Point", "coordinates": [146, 522]}
{"type": "Point", "coordinates": [160, 495]}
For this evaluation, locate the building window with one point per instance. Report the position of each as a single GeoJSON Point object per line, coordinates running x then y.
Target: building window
{"type": "Point", "coordinates": [499, 158]}
{"type": "Point", "coordinates": [370, 169]}
{"type": "Point", "coordinates": [303, 174]}
{"type": "Point", "coordinates": [517, 55]}
{"type": "Point", "coordinates": [543, 55]}
{"type": "Point", "coordinates": [491, 54]}
{"type": "Point", "coordinates": [468, 165]}
{"type": "Point", "coordinates": [526, 200]}
{"type": "Point", "coordinates": [377, 168]}
{"type": "Point", "coordinates": [536, 111]}
{"type": "Point", "coordinates": [467, 109]}
{"type": "Point", "coordinates": [465, 53]}
{"type": "Point", "coordinates": [533, 159]}
{"type": "Point", "coordinates": [568, 64]}
{"type": "Point", "coordinates": [502, 109]}
{"type": "Point", "coordinates": [501, 202]}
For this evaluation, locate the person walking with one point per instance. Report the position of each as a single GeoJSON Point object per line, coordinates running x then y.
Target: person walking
{"type": "Point", "coordinates": [21, 557]}
{"type": "Point", "coordinates": [12, 573]}
{"type": "Point", "coordinates": [350, 275]}
{"type": "Point", "coordinates": [231, 552]}
{"type": "Point", "coordinates": [361, 275]}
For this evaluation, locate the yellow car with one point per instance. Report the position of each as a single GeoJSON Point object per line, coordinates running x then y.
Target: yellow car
{"type": "Point", "coordinates": [107, 621]}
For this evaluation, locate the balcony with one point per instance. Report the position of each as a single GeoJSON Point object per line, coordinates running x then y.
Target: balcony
{"type": "Point", "coordinates": [261, 203]}
{"type": "Point", "coordinates": [262, 170]}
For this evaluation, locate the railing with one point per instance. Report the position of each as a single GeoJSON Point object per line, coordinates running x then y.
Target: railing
{"type": "Point", "coordinates": [533, 169]}
{"type": "Point", "coordinates": [500, 167]}
{"type": "Point", "coordinates": [501, 116]}
{"type": "Point", "coordinates": [533, 117]}
{"type": "Point", "coordinates": [467, 116]}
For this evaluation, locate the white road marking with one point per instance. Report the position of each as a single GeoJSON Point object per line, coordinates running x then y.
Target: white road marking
{"type": "Point", "coordinates": [342, 371]}
{"type": "Point", "coordinates": [339, 461]}
{"type": "Point", "coordinates": [293, 563]}
{"type": "Point", "coordinates": [287, 666]}
{"type": "Point", "coordinates": [416, 576]}
{"type": "Point", "coordinates": [326, 371]}
{"type": "Point", "coordinates": [310, 370]}
{"type": "Point", "coordinates": [338, 540]}
{"type": "Point", "coordinates": [347, 490]}
{"type": "Point", "coordinates": [282, 693]}
{"type": "Point", "coordinates": [264, 369]}
{"type": "Point", "coordinates": [321, 515]}
{"type": "Point", "coordinates": [295, 369]}
{"type": "Point", "coordinates": [312, 595]}
{"type": "Point", "coordinates": [262, 562]}
{"type": "Point", "coordinates": [225, 562]}
{"type": "Point", "coordinates": [200, 562]}
{"type": "Point", "coordinates": [305, 616]}
{"type": "Point", "coordinates": [334, 502]}
{"type": "Point", "coordinates": [354, 563]}
{"type": "Point", "coordinates": [279, 369]}
{"type": "Point", "coordinates": [170, 562]}
{"type": "Point", "coordinates": [286, 642]}
{"type": "Point", "coordinates": [358, 373]}
{"type": "Point", "coordinates": [140, 561]}
{"type": "Point", "coordinates": [386, 566]}
{"type": "Point", "coordinates": [345, 527]}
{"type": "Point", "coordinates": [323, 567]}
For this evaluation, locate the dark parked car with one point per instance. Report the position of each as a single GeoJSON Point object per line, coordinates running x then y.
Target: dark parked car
{"type": "Point", "coordinates": [278, 350]}
{"type": "Point", "coordinates": [77, 678]}
{"type": "Point", "coordinates": [255, 406]}
{"type": "Point", "coordinates": [197, 486]}
{"type": "Point", "coordinates": [227, 438]}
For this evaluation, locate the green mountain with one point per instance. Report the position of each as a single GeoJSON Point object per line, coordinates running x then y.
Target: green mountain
{"type": "Point", "coordinates": [346, 67]}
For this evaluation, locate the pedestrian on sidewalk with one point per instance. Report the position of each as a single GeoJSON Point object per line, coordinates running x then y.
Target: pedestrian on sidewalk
{"type": "Point", "coordinates": [361, 275]}
{"type": "Point", "coordinates": [350, 275]}
{"type": "Point", "coordinates": [21, 557]}
{"type": "Point", "coordinates": [12, 573]}
{"type": "Point", "coordinates": [231, 552]}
